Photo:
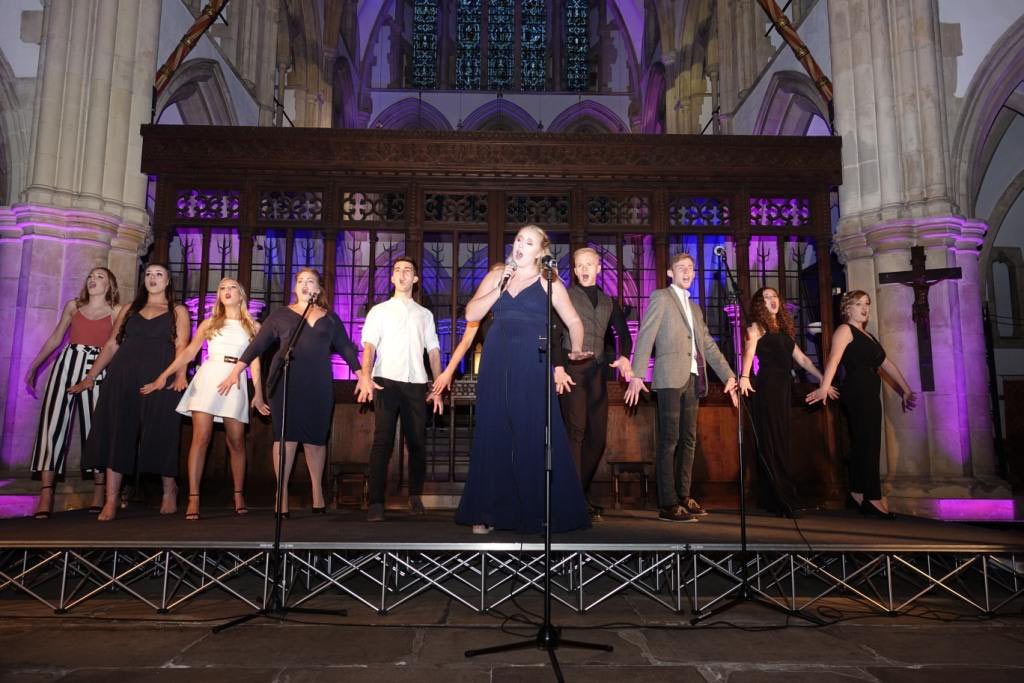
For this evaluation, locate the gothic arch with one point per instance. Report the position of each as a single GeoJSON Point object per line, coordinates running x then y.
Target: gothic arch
{"type": "Point", "coordinates": [1011, 194]}
{"type": "Point", "coordinates": [998, 76]}
{"type": "Point", "coordinates": [412, 113]}
{"type": "Point", "coordinates": [500, 114]}
{"type": "Point", "coordinates": [201, 93]}
{"type": "Point", "coordinates": [789, 105]}
{"type": "Point", "coordinates": [587, 117]}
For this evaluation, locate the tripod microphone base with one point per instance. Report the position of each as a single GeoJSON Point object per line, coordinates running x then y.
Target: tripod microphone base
{"type": "Point", "coordinates": [748, 599]}
{"type": "Point", "coordinates": [548, 638]}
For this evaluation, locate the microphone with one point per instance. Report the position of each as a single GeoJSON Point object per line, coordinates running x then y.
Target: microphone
{"type": "Point", "coordinates": [720, 251]}
{"type": "Point", "coordinates": [548, 261]}
{"type": "Point", "coordinates": [510, 261]}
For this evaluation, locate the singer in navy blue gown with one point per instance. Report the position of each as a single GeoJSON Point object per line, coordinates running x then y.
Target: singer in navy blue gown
{"type": "Point", "coordinates": [505, 488]}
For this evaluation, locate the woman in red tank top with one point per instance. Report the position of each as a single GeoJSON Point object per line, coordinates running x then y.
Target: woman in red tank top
{"type": "Point", "coordinates": [90, 318]}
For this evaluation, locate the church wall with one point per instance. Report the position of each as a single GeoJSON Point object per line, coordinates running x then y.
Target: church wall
{"type": "Point", "coordinates": [979, 30]}
{"type": "Point", "coordinates": [175, 19]}
{"type": "Point", "coordinates": [23, 57]}
{"type": "Point", "coordinates": [814, 32]}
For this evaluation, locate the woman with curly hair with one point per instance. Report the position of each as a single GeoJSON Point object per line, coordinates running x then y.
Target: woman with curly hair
{"type": "Point", "coordinates": [862, 357]}
{"type": "Point", "coordinates": [771, 337]}
{"type": "Point", "coordinates": [131, 432]}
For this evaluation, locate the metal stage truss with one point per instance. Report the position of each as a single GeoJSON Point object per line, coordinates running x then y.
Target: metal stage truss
{"type": "Point", "coordinates": [980, 580]}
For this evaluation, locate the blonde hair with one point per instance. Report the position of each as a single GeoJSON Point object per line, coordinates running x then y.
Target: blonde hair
{"type": "Point", "coordinates": [321, 297]}
{"type": "Point", "coordinates": [849, 299]}
{"type": "Point", "coordinates": [585, 250]}
{"type": "Point", "coordinates": [545, 243]}
{"type": "Point", "coordinates": [220, 312]}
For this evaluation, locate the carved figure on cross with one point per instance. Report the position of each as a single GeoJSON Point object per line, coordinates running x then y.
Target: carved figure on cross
{"type": "Point", "coordinates": [921, 279]}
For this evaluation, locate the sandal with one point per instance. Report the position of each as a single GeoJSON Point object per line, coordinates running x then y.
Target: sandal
{"type": "Point", "coordinates": [244, 510]}
{"type": "Point", "coordinates": [96, 509]}
{"type": "Point", "coordinates": [44, 514]}
{"type": "Point", "coordinates": [192, 516]}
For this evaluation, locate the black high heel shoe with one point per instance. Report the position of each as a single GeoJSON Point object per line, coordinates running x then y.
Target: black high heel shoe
{"type": "Point", "coordinates": [244, 509]}
{"type": "Point", "coordinates": [852, 504]}
{"type": "Point", "coordinates": [871, 510]}
{"type": "Point", "coordinates": [96, 509]}
{"type": "Point", "coordinates": [320, 510]}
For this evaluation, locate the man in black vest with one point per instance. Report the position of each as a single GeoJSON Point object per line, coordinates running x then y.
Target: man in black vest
{"type": "Point", "coordinates": [585, 407]}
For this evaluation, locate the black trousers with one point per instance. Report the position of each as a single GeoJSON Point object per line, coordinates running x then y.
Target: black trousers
{"type": "Point", "coordinates": [677, 442]}
{"type": "Point", "coordinates": [408, 401]}
{"type": "Point", "coordinates": [585, 413]}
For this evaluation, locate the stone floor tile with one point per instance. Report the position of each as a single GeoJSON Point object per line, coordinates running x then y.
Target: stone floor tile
{"type": "Point", "coordinates": [933, 674]}
{"type": "Point", "coordinates": [219, 675]}
{"type": "Point", "coordinates": [599, 674]}
{"type": "Point", "coordinates": [285, 645]}
{"type": "Point", "coordinates": [388, 674]}
{"type": "Point", "coordinates": [718, 644]}
{"type": "Point", "coordinates": [965, 645]}
{"type": "Point", "coordinates": [446, 646]}
{"type": "Point", "coordinates": [63, 647]}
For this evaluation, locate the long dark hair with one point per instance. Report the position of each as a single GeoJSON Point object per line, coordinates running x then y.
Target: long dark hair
{"type": "Point", "coordinates": [780, 322]}
{"type": "Point", "coordinates": [142, 298]}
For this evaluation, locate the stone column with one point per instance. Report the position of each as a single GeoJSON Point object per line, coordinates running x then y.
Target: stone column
{"type": "Point", "coordinates": [85, 200]}
{"type": "Point", "coordinates": [889, 107]}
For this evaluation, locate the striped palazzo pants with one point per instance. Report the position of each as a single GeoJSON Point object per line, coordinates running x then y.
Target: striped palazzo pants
{"type": "Point", "coordinates": [59, 407]}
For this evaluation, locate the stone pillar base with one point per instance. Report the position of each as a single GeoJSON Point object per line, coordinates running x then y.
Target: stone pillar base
{"type": "Point", "coordinates": [19, 496]}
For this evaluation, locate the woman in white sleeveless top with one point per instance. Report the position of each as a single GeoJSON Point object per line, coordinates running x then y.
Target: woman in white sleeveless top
{"type": "Point", "coordinates": [227, 334]}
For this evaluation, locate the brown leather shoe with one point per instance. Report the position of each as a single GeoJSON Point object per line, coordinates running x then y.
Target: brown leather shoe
{"type": "Point", "coordinates": [694, 508]}
{"type": "Point", "coordinates": [675, 513]}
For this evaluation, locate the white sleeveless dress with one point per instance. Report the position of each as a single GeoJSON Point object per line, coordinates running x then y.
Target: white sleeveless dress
{"type": "Point", "coordinates": [201, 395]}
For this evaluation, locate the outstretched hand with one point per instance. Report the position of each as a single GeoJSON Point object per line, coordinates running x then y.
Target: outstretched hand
{"type": "Point", "coordinates": [364, 388]}
{"type": "Point", "coordinates": [442, 383]}
{"type": "Point", "coordinates": [622, 365]}
{"type": "Point", "coordinates": [155, 385]}
{"type": "Point", "coordinates": [732, 389]}
{"type": "Point", "coordinates": [438, 403]}
{"type": "Point", "coordinates": [632, 395]}
{"type": "Point", "coordinates": [820, 394]}
{"type": "Point", "coordinates": [563, 382]}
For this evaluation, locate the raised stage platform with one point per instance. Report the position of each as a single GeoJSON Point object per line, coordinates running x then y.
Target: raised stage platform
{"type": "Point", "coordinates": [888, 566]}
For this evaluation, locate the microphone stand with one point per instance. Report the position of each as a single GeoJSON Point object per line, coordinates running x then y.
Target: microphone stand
{"type": "Point", "coordinates": [276, 609]}
{"type": "Point", "coordinates": [549, 636]}
{"type": "Point", "coordinates": [746, 595]}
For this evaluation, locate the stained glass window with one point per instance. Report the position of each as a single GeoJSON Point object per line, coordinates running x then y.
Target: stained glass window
{"type": "Point", "coordinates": [467, 59]}
{"type": "Point", "coordinates": [501, 25]}
{"type": "Point", "coordinates": [533, 44]}
{"type": "Point", "coordinates": [424, 44]}
{"type": "Point", "coordinates": [577, 44]}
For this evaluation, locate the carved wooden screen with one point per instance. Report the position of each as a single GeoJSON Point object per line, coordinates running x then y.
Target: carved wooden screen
{"type": "Point", "coordinates": [264, 202]}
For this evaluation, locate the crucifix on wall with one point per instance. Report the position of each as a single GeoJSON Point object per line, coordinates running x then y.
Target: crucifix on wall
{"type": "Point", "coordinates": [921, 279]}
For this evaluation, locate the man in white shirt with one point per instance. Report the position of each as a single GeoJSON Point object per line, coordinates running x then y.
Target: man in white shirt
{"type": "Point", "coordinates": [675, 325]}
{"type": "Point", "coordinates": [395, 335]}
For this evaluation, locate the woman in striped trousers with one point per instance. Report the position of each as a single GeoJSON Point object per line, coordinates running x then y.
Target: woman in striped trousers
{"type": "Point", "coordinates": [90, 318]}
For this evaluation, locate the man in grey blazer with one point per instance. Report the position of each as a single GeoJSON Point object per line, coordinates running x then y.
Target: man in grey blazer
{"type": "Point", "coordinates": [676, 327]}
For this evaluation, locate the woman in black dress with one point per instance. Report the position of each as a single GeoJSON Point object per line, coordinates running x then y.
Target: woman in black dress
{"type": "Point", "coordinates": [771, 337]}
{"type": "Point", "coordinates": [862, 356]}
{"type": "Point", "coordinates": [311, 401]}
{"type": "Point", "coordinates": [132, 432]}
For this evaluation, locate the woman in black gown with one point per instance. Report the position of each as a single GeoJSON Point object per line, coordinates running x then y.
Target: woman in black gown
{"type": "Point", "coordinates": [311, 400]}
{"type": "Point", "coordinates": [771, 338]}
{"type": "Point", "coordinates": [129, 431]}
{"type": "Point", "coordinates": [862, 356]}
{"type": "Point", "coordinates": [505, 487]}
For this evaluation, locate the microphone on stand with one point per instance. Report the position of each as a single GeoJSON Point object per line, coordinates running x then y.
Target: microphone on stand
{"type": "Point", "coordinates": [720, 251]}
{"type": "Point", "coordinates": [548, 261]}
{"type": "Point", "coordinates": [510, 261]}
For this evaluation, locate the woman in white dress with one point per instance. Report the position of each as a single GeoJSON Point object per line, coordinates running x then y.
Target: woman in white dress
{"type": "Point", "coordinates": [227, 334]}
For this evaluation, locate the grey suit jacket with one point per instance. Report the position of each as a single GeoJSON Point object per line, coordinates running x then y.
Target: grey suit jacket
{"type": "Point", "coordinates": [664, 327]}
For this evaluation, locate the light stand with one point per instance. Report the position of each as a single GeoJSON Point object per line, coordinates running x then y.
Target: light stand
{"type": "Point", "coordinates": [276, 608]}
{"type": "Point", "coordinates": [549, 637]}
{"type": "Point", "coordinates": [746, 595]}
